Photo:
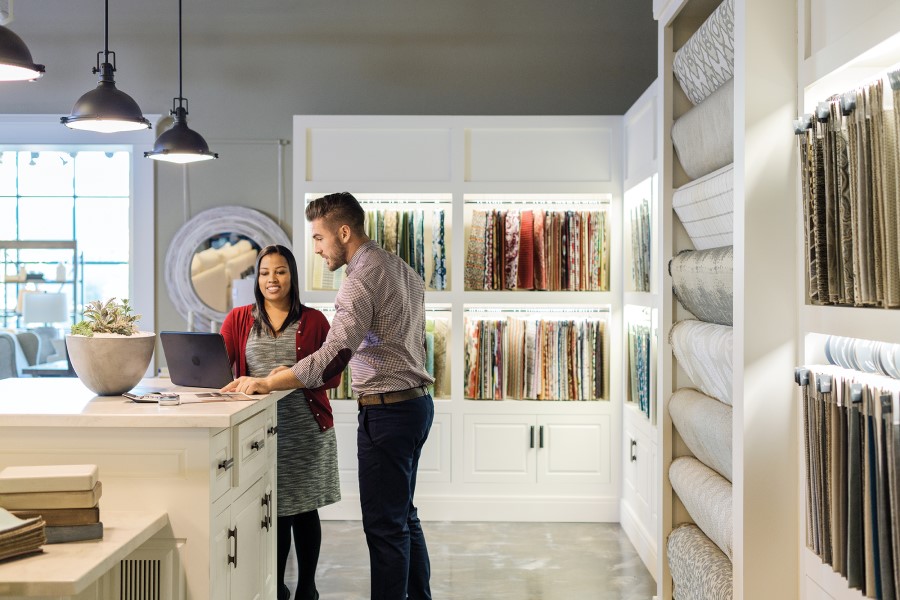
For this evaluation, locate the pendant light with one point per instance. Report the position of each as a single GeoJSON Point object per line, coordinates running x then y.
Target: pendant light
{"type": "Point", "coordinates": [180, 144]}
{"type": "Point", "coordinates": [16, 63]}
{"type": "Point", "coordinates": [106, 109]}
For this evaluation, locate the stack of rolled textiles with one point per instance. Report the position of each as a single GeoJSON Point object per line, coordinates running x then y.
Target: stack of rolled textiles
{"type": "Point", "coordinates": [20, 537]}
{"type": "Point", "coordinates": [66, 497]}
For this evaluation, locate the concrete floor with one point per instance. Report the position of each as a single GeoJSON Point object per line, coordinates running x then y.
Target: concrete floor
{"type": "Point", "coordinates": [494, 561]}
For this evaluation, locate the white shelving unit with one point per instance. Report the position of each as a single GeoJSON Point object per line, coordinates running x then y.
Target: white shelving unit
{"type": "Point", "coordinates": [840, 48]}
{"type": "Point", "coordinates": [479, 463]}
{"type": "Point", "coordinates": [640, 483]}
{"type": "Point", "coordinates": [765, 438]}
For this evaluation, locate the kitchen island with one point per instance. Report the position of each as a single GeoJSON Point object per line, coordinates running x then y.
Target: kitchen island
{"type": "Point", "coordinates": [209, 466]}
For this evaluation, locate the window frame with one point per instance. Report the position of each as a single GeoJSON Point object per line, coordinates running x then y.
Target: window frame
{"type": "Point", "coordinates": [45, 132]}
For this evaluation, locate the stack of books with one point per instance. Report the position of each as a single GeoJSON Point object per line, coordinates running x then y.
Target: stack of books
{"type": "Point", "coordinates": [20, 537]}
{"type": "Point", "coordinates": [66, 497]}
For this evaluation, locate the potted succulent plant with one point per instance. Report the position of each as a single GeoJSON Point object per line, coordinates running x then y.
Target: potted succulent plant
{"type": "Point", "coordinates": [108, 352]}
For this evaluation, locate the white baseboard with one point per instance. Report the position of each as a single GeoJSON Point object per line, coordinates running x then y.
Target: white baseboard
{"type": "Point", "coordinates": [492, 508]}
{"type": "Point", "coordinates": [641, 539]}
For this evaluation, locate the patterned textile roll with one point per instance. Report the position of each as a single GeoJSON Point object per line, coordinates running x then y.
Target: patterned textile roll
{"type": "Point", "coordinates": [475, 251]}
{"type": "Point", "coordinates": [704, 136]}
{"type": "Point", "coordinates": [391, 230]}
{"type": "Point", "coordinates": [705, 207]}
{"type": "Point", "coordinates": [441, 358]}
{"type": "Point", "coordinates": [540, 254]}
{"type": "Point", "coordinates": [511, 260]}
{"type": "Point", "coordinates": [704, 351]}
{"type": "Point", "coordinates": [706, 61]}
{"type": "Point", "coordinates": [438, 251]}
{"type": "Point", "coordinates": [700, 571]}
{"type": "Point", "coordinates": [707, 497]}
{"type": "Point", "coordinates": [705, 425]}
{"type": "Point", "coordinates": [526, 251]}
{"type": "Point", "coordinates": [702, 282]}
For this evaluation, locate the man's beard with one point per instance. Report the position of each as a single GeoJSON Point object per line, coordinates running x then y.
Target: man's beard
{"type": "Point", "coordinates": [339, 258]}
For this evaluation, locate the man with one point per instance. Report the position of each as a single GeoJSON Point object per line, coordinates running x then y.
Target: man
{"type": "Point", "coordinates": [379, 329]}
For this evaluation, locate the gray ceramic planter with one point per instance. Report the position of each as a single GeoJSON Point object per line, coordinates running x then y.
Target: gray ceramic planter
{"type": "Point", "coordinates": [111, 364]}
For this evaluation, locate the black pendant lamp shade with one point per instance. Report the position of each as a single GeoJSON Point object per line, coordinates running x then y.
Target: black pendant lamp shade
{"type": "Point", "coordinates": [16, 63]}
{"type": "Point", "coordinates": [180, 144]}
{"type": "Point", "coordinates": [106, 109]}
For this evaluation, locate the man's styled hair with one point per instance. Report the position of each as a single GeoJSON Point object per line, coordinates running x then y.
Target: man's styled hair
{"type": "Point", "coordinates": [336, 210]}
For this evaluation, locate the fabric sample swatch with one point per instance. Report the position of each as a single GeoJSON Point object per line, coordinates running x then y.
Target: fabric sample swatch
{"type": "Point", "coordinates": [704, 136]}
{"type": "Point", "coordinates": [706, 60]}
{"type": "Point", "coordinates": [705, 425]}
{"type": "Point", "coordinates": [707, 497]}
{"type": "Point", "coordinates": [705, 207]}
{"type": "Point", "coordinates": [526, 251]}
{"type": "Point", "coordinates": [704, 351]}
{"type": "Point", "coordinates": [702, 282]}
{"type": "Point", "coordinates": [700, 571]}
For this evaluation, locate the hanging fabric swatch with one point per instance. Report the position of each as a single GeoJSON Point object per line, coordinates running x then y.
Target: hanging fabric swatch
{"type": "Point", "coordinates": [640, 246]}
{"type": "Point", "coordinates": [564, 250]}
{"type": "Point", "coordinates": [639, 365]}
{"type": "Point", "coordinates": [438, 251]}
{"type": "Point", "coordinates": [535, 359]}
{"type": "Point", "coordinates": [851, 459]}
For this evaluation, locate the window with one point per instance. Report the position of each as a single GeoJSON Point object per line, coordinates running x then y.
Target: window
{"type": "Point", "coordinates": [57, 184]}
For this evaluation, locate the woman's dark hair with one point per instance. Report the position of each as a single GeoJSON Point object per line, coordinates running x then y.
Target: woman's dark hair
{"type": "Point", "coordinates": [262, 320]}
{"type": "Point", "coordinates": [336, 210]}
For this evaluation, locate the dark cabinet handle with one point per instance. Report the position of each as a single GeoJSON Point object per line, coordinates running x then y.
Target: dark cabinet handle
{"type": "Point", "coordinates": [232, 559]}
{"type": "Point", "coordinates": [541, 444]}
{"type": "Point", "coordinates": [258, 445]}
{"type": "Point", "coordinates": [226, 464]}
{"type": "Point", "coordinates": [633, 448]}
{"type": "Point", "coordinates": [272, 430]}
{"type": "Point", "coordinates": [532, 437]}
{"type": "Point", "coordinates": [267, 518]}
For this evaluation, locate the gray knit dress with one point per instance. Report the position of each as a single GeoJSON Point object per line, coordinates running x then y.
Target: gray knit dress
{"type": "Point", "coordinates": [307, 457]}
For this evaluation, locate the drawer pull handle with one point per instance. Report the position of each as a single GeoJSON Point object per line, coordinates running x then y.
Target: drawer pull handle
{"type": "Point", "coordinates": [272, 430]}
{"type": "Point", "coordinates": [531, 443]}
{"type": "Point", "coordinates": [633, 447]}
{"type": "Point", "coordinates": [232, 558]}
{"type": "Point", "coordinates": [258, 445]}
{"type": "Point", "coordinates": [226, 464]}
{"type": "Point", "coordinates": [541, 437]}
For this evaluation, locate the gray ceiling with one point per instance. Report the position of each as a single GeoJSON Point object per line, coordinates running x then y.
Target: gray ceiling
{"type": "Point", "coordinates": [348, 56]}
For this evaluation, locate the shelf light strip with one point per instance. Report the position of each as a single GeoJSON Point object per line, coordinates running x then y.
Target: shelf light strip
{"type": "Point", "coordinates": [539, 309]}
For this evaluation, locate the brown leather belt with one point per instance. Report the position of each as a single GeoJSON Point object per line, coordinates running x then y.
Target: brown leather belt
{"type": "Point", "coordinates": [392, 397]}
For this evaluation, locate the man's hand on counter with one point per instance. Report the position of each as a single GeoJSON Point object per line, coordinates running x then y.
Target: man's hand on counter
{"type": "Point", "coordinates": [280, 378]}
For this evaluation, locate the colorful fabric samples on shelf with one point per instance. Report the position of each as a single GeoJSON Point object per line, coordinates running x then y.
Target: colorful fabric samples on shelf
{"type": "Point", "coordinates": [401, 232]}
{"type": "Point", "coordinates": [852, 463]}
{"type": "Point", "coordinates": [535, 359]}
{"type": "Point", "coordinates": [850, 173]}
{"type": "Point", "coordinates": [639, 365]}
{"type": "Point", "coordinates": [541, 250]}
{"type": "Point", "coordinates": [640, 246]}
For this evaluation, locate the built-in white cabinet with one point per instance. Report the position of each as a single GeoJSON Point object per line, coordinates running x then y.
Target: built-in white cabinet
{"type": "Point", "coordinates": [243, 531]}
{"type": "Point", "coordinates": [532, 449]}
{"type": "Point", "coordinates": [479, 463]}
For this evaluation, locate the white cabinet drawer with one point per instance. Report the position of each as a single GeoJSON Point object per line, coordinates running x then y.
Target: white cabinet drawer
{"type": "Point", "coordinates": [222, 463]}
{"type": "Point", "coordinates": [251, 453]}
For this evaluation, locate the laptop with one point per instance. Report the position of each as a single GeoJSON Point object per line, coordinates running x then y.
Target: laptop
{"type": "Point", "coordinates": [196, 359]}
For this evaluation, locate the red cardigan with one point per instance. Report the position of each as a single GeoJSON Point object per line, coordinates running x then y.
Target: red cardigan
{"type": "Point", "coordinates": [311, 332]}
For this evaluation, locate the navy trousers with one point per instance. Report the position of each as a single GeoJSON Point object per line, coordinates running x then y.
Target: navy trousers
{"type": "Point", "coordinates": [389, 441]}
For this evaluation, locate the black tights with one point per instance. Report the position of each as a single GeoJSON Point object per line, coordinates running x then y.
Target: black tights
{"type": "Point", "coordinates": [307, 532]}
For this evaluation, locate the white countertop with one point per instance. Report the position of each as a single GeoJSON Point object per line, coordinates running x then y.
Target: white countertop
{"type": "Point", "coordinates": [65, 402]}
{"type": "Point", "coordinates": [67, 569]}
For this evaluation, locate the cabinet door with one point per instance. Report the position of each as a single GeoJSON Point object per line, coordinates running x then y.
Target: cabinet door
{"type": "Point", "coordinates": [574, 449]}
{"type": "Point", "coordinates": [222, 548]}
{"type": "Point", "coordinates": [246, 517]}
{"type": "Point", "coordinates": [268, 564]}
{"type": "Point", "coordinates": [500, 448]}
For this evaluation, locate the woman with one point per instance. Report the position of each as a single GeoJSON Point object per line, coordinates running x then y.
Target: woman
{"type": "Point", "coordinates": [268, 336]}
